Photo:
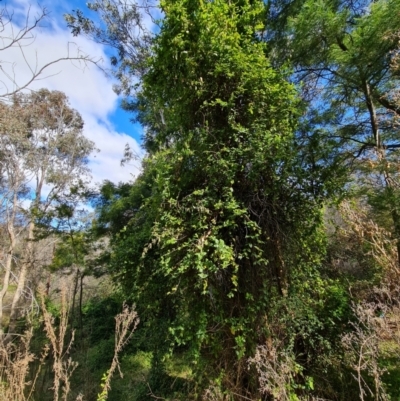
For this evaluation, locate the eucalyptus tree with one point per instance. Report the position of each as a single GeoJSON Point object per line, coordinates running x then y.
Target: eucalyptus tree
{"type": "Point", "coordinates": [43, 158]}
{"type": "Point", "coordinates": [125, 27]}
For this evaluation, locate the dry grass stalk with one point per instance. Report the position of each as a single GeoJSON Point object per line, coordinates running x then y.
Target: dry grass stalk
{"type": "Point", "coordinates": [276, 369]}
{"type": "Point", "coordinates": [361, 240]}
{"type": "Point", "coordinates": [363, 352]}
{"type": "Point", "coordinates": [16, 358]}
{"type": "Point", "coordinates": [125, 324]}
{"type": "Point", "coordinates": [376, 315]}
{"type": "Point", "coordinates": [213, 393]}
{"type": "Point", "coordinates": [14, 368]}
{"type": "Point", "coordinates": [381, 241]}
{"type": "Point", "coordinates": [63, 367]}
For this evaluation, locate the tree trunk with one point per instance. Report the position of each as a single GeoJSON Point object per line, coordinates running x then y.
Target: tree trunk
{"type": "Point", "coordinates": [14, 313]}
{"type": "Point", "coordinates": [6, 283]}
{"type": "Point", "coordinates": [80, 305]}
{"type": "Point", "coordinates": [74, 296]}
{"type": "Point", "coordinates": [381, 155]}
{"type": "Point", "coordinates": [396, 224]}
{"type": "Point", "coordinates": [8, 265]}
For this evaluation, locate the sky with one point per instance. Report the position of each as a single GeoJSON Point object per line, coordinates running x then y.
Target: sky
{"type": "Point", "coordinates": [89, 90]}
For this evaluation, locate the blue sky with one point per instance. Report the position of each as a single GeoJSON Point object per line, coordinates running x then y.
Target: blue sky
{"type": "Point", "coordinates": [88, 89]}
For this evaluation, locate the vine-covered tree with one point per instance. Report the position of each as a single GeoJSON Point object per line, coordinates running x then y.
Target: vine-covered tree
{"type": "Point", "coordinates": [222, 229]}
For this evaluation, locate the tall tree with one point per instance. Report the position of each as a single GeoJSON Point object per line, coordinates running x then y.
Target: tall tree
{"type": "Point", "coordinates": [345, 55]}
{"type": "Point", "coordinates": [43, 157]}
{"type": "Point", "coordinates": [224, 220]}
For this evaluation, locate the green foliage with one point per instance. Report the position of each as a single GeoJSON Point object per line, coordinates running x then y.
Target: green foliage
{"type": "Point", "coordinates": [220, 241]}
{"type": "Point", "coordinates": [103, 395]}
{"type": "Point", "coordinates": [99, 317]}
{"type": "Point", "coordinates": [346, 58]}
{"type": "Point", "coordinates": [224, 220]}
{"type": "Point", "coordinates": [70, 251]}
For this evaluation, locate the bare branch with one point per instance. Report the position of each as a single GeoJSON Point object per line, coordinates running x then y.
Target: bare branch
{"type": "Point", "coordinates": [20, 38]}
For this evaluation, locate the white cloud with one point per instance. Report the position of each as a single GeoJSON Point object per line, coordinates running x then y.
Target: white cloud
{"type": "Point", "coordinates": [87, 87]}
{"type": "Point", "coordinates": [106, 163]}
